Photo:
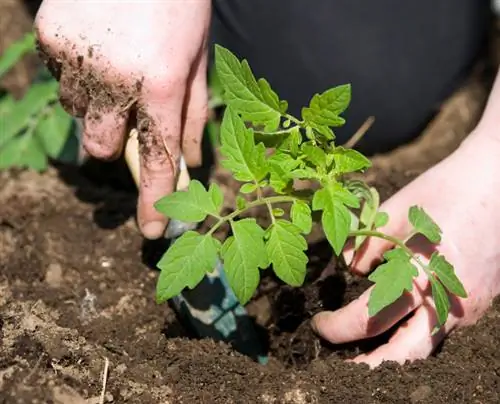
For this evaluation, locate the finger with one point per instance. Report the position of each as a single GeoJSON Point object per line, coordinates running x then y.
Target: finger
{"type": "Point", "coordinates": [73, 94]}
{"type": "Point", "coordinates": [104, 132]}
{"type": "Point", "coordinates": [195, 114]}
{"type": "Point", "coordinates": [352, 322]}
{"type": "Point", "coordinates": [412, 341]}
{"type": "Point", "coordinates": [373, 248]}
{"type": "Point", "coordinates": [159, 127]}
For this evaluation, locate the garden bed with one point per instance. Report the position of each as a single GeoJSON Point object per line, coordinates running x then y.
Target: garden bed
{"type": "Point", "coordinates": [76, 289]}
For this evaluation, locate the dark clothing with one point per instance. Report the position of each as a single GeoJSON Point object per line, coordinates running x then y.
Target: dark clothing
{"type": "Point", "coordinates": [403, 58]}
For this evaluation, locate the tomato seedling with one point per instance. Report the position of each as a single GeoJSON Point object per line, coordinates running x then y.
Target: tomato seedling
{"type": "Point", "coordinates": [265, 146]}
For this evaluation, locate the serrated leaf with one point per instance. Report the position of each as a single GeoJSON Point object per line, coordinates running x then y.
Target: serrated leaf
{"type": "Point", "coordinates": [185, 263]}
{"type": "Point", "coordinates": [441, 302]}
{"type": "Point", "coordinates": [37, 97]}
{"type": "Point", "coordinates": [301, 216]}
{"type": "Point", "coordinates": [285, 248]}
{"type": "Point", "coordinates": [243, 254]}
{"type": "Point", "coordinates": [53, 131]}
{"type": "Point", "coordinates": [381, 219]}
{"type": "Point", "coordinates": [324, 109]}
{"type": "Point", "coordinates": [15, 52]}
{"type": "Point", "coordinates": [446, 274]}
{"type": "Point", "coordinates": [291, 143]}
{"type": "Point", "coordinates": [306, 173]}
{"type": "Point", "coordinates": [423, 224]}
{"type": "Point", "coordinates": [348, 161]}
{"type": "Point", "coordinates": [334, 191]}
{"type": "Point", "coordinates": [23, 151]}
{"type": "Point", "coordinates": [192, 205]}
{"type": "Point", "coordinates": [336, 223]}
{"type": "Point", "coordinates": [246, 160]}
{"type": "Point", "coordinates": [255, 101]}
{"type": "Point", "coordinates": [391, 279]}
{"type": "Point", "coordinates": [336, 218]}
{"type": "Point", "coordinates": [248, 188]}
{"type": "Point", "coordinates": [314, 154]}
{"type": "Point", "coordinates": [280, 167]}
{"type": "Point", "coordinates": [216, 196]}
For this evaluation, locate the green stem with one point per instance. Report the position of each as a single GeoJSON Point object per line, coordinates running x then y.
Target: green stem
{"type": "Point", "coordinates": [258, 202]}
{"type": "Point", "coordinates": [394, 240]}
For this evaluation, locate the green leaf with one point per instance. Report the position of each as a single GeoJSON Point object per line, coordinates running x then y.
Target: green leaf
{"type": "Point", "coordinates": [306, 173]}
{"type": "Point", "coordinates": [23, 151]}
{"type": "Point", "coordinates": [185, 263]}
{"type": "Point", "coordinates": [192, 205]}
{"type": "Point", "coordinates": [53, 131]}
{"type": "Point", "coordinates": [348, 161]}
{"type": "Point", "coordinates": [216, 196]}
{"type": "Point", "coordinates": [336, 218]}
{"type": "Point", "coordinates": [291, 142]}
{"type": "Point", "coordinates": [324, 109]}
{"type": "Point", "coordinates": [391, 279]}
{"type": "Point", "coordinates": [446, 274]}
{"type": "Point", "coordinates": [423, 224]}
{"type": "Point", "coordinates": [38, 96]}
{"type": "Point", "coordinates": [243, 254]}
{"type": "Point", "coordinates": [280, 167]}
{"type": "Point", "coordinates": [255, 101]}
{"type": "Point", "coordinates": [314, 154]}
{"type": "Point", "coordinates": [285, 248]}
{"type": "Point", "coordinates": [381, 219]}
{"type": "Point", "coordinates": [368, 214]}
{"type": "Point", "coordinates": [441, 302]}
{"type": "Point", "coordinates": [301, 216]}
{"type": "Point", "coordinates": [15, 52]}
{"type": "Point", "coordinates": [248, 188]}
{"type": "Point", "coordinates": [241, 202]}
{"type": "Point", "coordinates": [278, 212]}
{"type": "Point", "coordinates": [246, 160]}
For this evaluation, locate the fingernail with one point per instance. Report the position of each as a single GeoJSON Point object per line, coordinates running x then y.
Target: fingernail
{"type": "Point", "coordinates": [153, 230]}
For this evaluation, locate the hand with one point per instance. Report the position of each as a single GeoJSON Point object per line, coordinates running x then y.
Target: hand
{"type": "Point", "coordinates": [461, 195]}
{"type": "Point", "coordinates": [135, 61]}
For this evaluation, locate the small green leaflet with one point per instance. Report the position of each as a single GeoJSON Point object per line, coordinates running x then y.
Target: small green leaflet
{"type": "Point", "coordinates": [336, 218]}
{"type": "Point", "coordinates": [280, 167]}
{"type": "Point", "coordinates": [285, 249]}
{"type": "Point", "coordinates": [324, 109]}
{"type": "Point", "coordinates": [348, 161]}
{"type": "Point", "coordinates": [53, 131]}
{"type": "Point", "coordinates": [246, 160]}
{"type": "Point", "coordinates": [446, 274]}
{"type": "Point", "coordinates": [254, 100]}
{"type": "Point", "coordinates": [16, 51]}
{"type": "Point", "coordinates": [301, 216]}
{"type": "Point", "coordinates": [391, 279]}
{"type": "Point", "coordinates": [248, 188]}
{"type": "Point", "coordinates": [442, 303]}
{"type": "Point", "coordinates": [185, 263]}
{"type": "Point", "coordinates": [243, 254]}
{"type": "Point", "coordinates": [192, 205]}
{"type": "Point", "coordinates": [423, 224]}
{"type": "Point", "coordinates": [314, 154]}
{"type": "Point", "coordinates": [381, 219]}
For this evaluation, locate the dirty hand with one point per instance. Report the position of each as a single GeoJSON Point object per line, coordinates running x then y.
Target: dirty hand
{"type": "Point", "coordinates": [134, 62]}
{"type": "Point", "coordinates": [461, 194]}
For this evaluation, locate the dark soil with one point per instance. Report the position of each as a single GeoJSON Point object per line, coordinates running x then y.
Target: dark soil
{"type": "Point", "coordinates": [76, 292]}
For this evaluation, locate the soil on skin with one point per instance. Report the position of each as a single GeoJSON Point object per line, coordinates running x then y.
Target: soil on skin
{"type": "Point", "coordinates": [77, 294]}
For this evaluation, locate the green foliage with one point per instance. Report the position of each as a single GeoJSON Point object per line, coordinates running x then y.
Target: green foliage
{"type": "Point", "coordinates": [265, 148]}
{"type": "Point", "coordinates": [34, 128]}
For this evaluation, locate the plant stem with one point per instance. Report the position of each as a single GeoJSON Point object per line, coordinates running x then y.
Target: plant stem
{"type": "Point", "coordinates": [394, 240]}
{"type": "Point", "coordinates": [258, 202]}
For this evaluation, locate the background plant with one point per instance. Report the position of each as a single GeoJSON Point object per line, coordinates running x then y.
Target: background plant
{"type": "Point", "coordinates": [34, 128]}
{"type": "Point", "coordinates": [265, 146]}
